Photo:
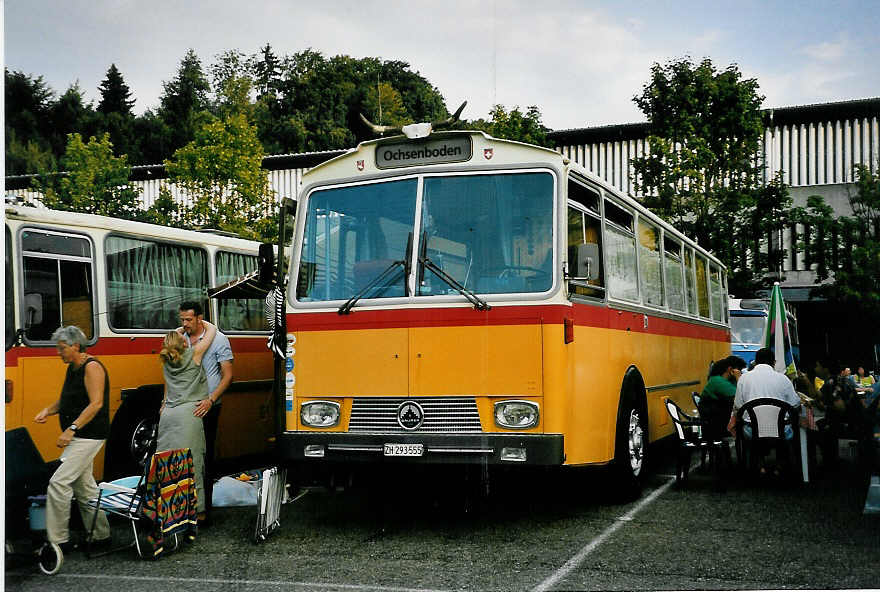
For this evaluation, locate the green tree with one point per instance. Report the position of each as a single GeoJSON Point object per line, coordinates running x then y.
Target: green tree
{"type": "Point", "coordinates": [115, 94]}
{"type": "Point", "coordinates": [514, 125]}
{"type": "Point", "coordinates": [267, 69]}
{"type": "Point", "coordinates": [152, 139]}
{"type": "Point", "coordinates": [28, 103]}
{"type": "Point", "coordinates": [71, 114]}
{"type": "Point", "coordinates": [385, 106]}
{"type": "Point", "coordinates": [95, 181]}
{"type": "Point", "coordinates": [232, 78]}
{"type": "Point", "coordinates": [702, 172]}
{"type": "Point", "coordinates": [29, 157]}
{"type": "Point", "coordinates": [116, 117]}
{"type": "Point", "coordinates": [325, 97]}
{"type": "Point", "coordinates": [855, 264]}
{"type": "Point", "coordinates": [184, 99]}
{"type": "Point", "coordinates": [220, 170]}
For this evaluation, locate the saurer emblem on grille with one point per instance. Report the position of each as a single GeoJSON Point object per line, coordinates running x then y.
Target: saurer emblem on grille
{"type": "Point", "coordinates": [410, 415]}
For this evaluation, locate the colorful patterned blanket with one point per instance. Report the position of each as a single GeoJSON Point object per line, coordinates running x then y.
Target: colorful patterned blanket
{"type": "Point", "coordinates": [170, 498]}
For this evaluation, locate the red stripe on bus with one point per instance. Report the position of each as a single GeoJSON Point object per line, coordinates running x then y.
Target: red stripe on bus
{"type": "Point", "coordinates": [582, 314]}
{"type": "Point", "coordinates": [131, 345]}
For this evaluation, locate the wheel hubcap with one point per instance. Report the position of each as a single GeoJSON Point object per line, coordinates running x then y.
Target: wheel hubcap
{"type": "Point", "coordinates": [636, 443]}
{"type": "Point", "coordinates": [142, 439]}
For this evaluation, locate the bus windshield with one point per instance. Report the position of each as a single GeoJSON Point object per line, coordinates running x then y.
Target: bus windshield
{"type": "Point", "coordinates": [490, 233]}
{"type": "Point", "coordinates": [747, 329]}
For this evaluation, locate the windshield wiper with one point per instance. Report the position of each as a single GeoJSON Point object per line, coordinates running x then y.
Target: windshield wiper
{"type": "Point", "coordinates": [478, 302]}
{"type": "Point", "coordinates": [349, 304]}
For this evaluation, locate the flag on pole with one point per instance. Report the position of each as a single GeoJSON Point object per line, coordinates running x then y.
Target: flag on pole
{"type": "Point", "coordinates": [777, 337]}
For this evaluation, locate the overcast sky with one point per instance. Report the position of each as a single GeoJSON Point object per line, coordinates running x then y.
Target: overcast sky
{"type": "Point", "coordinates": [579, 62]}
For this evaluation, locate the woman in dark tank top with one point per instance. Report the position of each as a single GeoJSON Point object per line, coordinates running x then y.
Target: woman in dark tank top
{"type": "Point", "coordinates": [83, 412]}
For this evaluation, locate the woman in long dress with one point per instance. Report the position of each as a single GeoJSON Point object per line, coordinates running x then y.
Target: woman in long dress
{"type": "Point", "coordinates": [185, 386]}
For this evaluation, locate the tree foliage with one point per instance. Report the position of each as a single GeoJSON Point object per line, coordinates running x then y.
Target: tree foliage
{"type": "Point", "coordinates": [220, 170]}
{"type": "Point", "coordinates": [514, 125]}
{"type": "Point", "coordinates": [97, 182]}
{"type": "Point", "coordinates": [300, 102]}
{"type": "Point", "coordinates": [115, 94]}
{"type": "Point", "coordinates": [703, 173]}
{"type": "Point", "coordinates": [851, 249]}
{"type": "Point", "coordinates": [28, 102]}
{"type": "Point", "coordinates": [184, 98]}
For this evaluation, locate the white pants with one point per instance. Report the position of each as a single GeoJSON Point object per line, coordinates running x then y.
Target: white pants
{"type": "Point", "coordinates": [74, 479]}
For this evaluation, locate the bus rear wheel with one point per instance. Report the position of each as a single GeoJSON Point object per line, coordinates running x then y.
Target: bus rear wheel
{"type": "Point", "coordinates": [142, 439]}
{"type": "Point", "coordinates": [631, 448]}
{"type": "Point", "coordinates": [130, 438]}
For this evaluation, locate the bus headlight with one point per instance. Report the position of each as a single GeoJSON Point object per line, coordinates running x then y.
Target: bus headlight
{"type": "Point", "coordinates": [516, 415]}
{"type": "Point", "coordinates": [319, 414]}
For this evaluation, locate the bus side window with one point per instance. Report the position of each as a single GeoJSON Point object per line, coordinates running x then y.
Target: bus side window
{"type": "Point", "coordinates": [674, 278]}
{"type": "Point", "coordinates": [715, 292]}
{"type": "Point", "coordinates": [57, 283]}
{"type": "Point", "coordinates": [689, 281]}
{"type": "Point", "coordinates": [147, 280]}
{"type": "Point", "coordinates": [584, 255]}
{"type": "Point", "coordinates": [650, 272]}
{"type": "Point", "coordinates": [10, 293]}
{"type": "Point", "coordinates": [702, 287]}
{"type": "Point", "coordinates": [238, 314]}
{"type": "Point", "coordinates": [620, 245]}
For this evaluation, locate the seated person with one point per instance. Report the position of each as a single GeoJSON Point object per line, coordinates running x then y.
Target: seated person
{"type": "Point", "coordinates": [765, 381]}
{"type": "Point", "coordinates": [863, 379]}
{"type": "Point", "coordinates": [716, 400]}
{"type": "Point", "coordinates": [847, 414]}
{"type": "Point", "coordinates": [837, 393]}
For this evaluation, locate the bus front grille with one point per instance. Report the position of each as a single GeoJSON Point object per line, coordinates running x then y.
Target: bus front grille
{"type": "Point", "coordinates": [442, 414]}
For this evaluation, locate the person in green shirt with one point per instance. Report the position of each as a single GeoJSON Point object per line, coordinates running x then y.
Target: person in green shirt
{"type": "Point", "coordinates": [716, 400]}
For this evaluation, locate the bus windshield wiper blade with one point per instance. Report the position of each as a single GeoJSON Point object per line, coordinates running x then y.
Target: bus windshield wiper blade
{"type": "Point", "coordinates": [478, 302]}
{"type": "Point", "coordinates": [349, 304]}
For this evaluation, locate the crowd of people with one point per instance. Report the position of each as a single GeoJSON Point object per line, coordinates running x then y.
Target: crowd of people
{"type": "Point", "coordinates": [846, 403]}
{"type": "Point", "coordinates": [197, 362]}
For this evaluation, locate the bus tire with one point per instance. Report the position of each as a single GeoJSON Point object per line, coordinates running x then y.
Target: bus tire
{"type": "Point", "coordinates": [631, 437]}
{"type": "Point", "coordinates": [129, 436]}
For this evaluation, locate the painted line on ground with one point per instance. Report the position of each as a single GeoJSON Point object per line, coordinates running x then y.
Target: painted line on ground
{"type": "Point", "coordinates": [581, 555]}
{"type": "Point", "coordinates": [286, 583]}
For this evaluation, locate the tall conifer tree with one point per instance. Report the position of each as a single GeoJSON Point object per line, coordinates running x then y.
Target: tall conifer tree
{"type": "Point", "coordinates": [115, 94]}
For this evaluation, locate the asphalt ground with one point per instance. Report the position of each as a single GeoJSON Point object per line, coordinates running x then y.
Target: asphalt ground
{"type": "Point", "coordinates": [530, 531]}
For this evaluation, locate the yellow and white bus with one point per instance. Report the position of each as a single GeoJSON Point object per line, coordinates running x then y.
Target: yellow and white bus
{"type": "Point", "coordinates": [457, 298]}
{"type": "Point", "coordinates": [121, 282]}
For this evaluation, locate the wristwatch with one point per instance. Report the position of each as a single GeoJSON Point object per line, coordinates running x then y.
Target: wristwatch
{"type": "Point", "coordinates": [72, 427]}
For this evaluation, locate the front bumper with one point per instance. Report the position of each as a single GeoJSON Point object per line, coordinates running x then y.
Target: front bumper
{"type": "Point", "coordinates": [341, 447]}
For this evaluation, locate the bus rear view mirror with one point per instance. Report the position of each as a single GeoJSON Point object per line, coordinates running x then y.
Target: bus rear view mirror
{"type": "Point", "coordinates": [588, 261]}
{"type": "Point", "coordinates": [266, 264]}
{"type": "Point", "coordinates": [33, 304]}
